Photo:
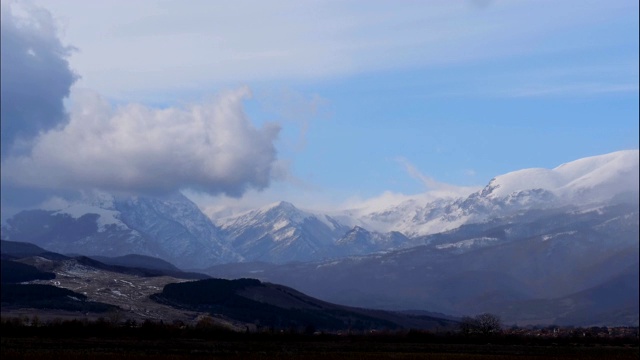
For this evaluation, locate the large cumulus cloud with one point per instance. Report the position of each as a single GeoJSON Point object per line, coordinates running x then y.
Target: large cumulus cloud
{"type": "Point", "coordinates": [211, 146]}
{"type": "Point", "coordinates": [35, 75]}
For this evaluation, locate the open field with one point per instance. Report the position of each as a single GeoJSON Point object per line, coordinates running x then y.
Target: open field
{"type": "Point", "coordinates": [93, 348]}
{"type": "Point", "coordinates": [33, 344]}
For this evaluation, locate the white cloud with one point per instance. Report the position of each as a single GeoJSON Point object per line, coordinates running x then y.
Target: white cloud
{"type": "Point", "coordinates": [293, 108]}
{"type": "Point", "coordinates": [381, 202]}
{"type": "Point", "coordinates": [158, 46]}
{"type": "Point", "coordinates": [212, 147]}
{"type": "Point", "coordinates": [427, 181]}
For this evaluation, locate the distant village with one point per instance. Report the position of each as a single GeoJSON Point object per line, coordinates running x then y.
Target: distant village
{"type": "Point", "coordinates": [573, 332]}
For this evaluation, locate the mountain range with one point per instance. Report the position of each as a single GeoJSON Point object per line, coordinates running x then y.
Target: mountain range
{"type": "Point", "coordinates": [535, 267]}
{"type": "Point", "coordinates": [529, 235]}
{"type": "Point", "coordinates": [174, 228]}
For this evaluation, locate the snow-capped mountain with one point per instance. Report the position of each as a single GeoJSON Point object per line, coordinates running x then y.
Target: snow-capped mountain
{"type": "Point", "coordinates": [172, 228]}
{"type": "Point", "coordinates": [588, 180]}
{"type": "Point", "coordinates": [178, 226]}
{"type": "Point", "coordinates": [592, 180]}
{"type": "Point", "coordinates": [281, 232]}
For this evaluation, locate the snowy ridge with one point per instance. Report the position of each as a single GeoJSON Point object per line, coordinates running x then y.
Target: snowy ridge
{"type": "Point", "coordinates": [281, 232]}
{"type": "Point", "coordinates": [582, 182]}
{"type": "Point", "coordinates": [287, 214]}
{"type": "Point", "coordinates": [592, 179]}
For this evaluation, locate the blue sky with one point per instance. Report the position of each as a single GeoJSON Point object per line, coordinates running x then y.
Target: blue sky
{"type": "Point", "coordinates": [368, 96]}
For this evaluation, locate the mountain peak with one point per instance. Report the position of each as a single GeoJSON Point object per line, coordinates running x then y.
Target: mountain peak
{"type": "Point", "coordinates": [358, 229]}
{"type": "Point", "coordinates": [286, 205]}
{"type": "Point", "coordinates": [280, 205]}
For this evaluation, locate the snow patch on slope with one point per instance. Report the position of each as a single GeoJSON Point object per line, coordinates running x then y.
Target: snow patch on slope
{"type": "Point", "coordinates": [552, 236]}
{"type": "Point", "coordinates": [469, 243]}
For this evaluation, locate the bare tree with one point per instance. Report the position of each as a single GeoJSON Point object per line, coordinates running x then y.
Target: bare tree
{"type": "Point", "coordinates": [489, 324]}
{"type": "Point", "coordinates": [485, 324]}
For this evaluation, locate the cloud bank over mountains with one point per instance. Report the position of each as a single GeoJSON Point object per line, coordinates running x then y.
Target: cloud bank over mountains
{"type": "Point", "coordinates": [211, 146]}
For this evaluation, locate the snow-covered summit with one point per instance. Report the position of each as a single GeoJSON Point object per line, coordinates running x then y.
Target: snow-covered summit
{"type": "Point", "coordinates": [587, 180]}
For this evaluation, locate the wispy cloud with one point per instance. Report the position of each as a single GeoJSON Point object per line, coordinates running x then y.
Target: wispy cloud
{"type": "Point", "coordinates": [428, 182]}
{"type": "Point", "coordinates": [221, 42]}
{"type": "Point", "coordinates": [612, 77]}
{"type": "Point", "coordinates": [554, 90]}
{"type": "Point", "coordinates": [293, 107]}
{"type": "Point", "coordinates": [549, 80]}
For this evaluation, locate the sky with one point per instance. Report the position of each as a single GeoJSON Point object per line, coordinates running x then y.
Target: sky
{"type": "Point", "coordinates": [326, 104]}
